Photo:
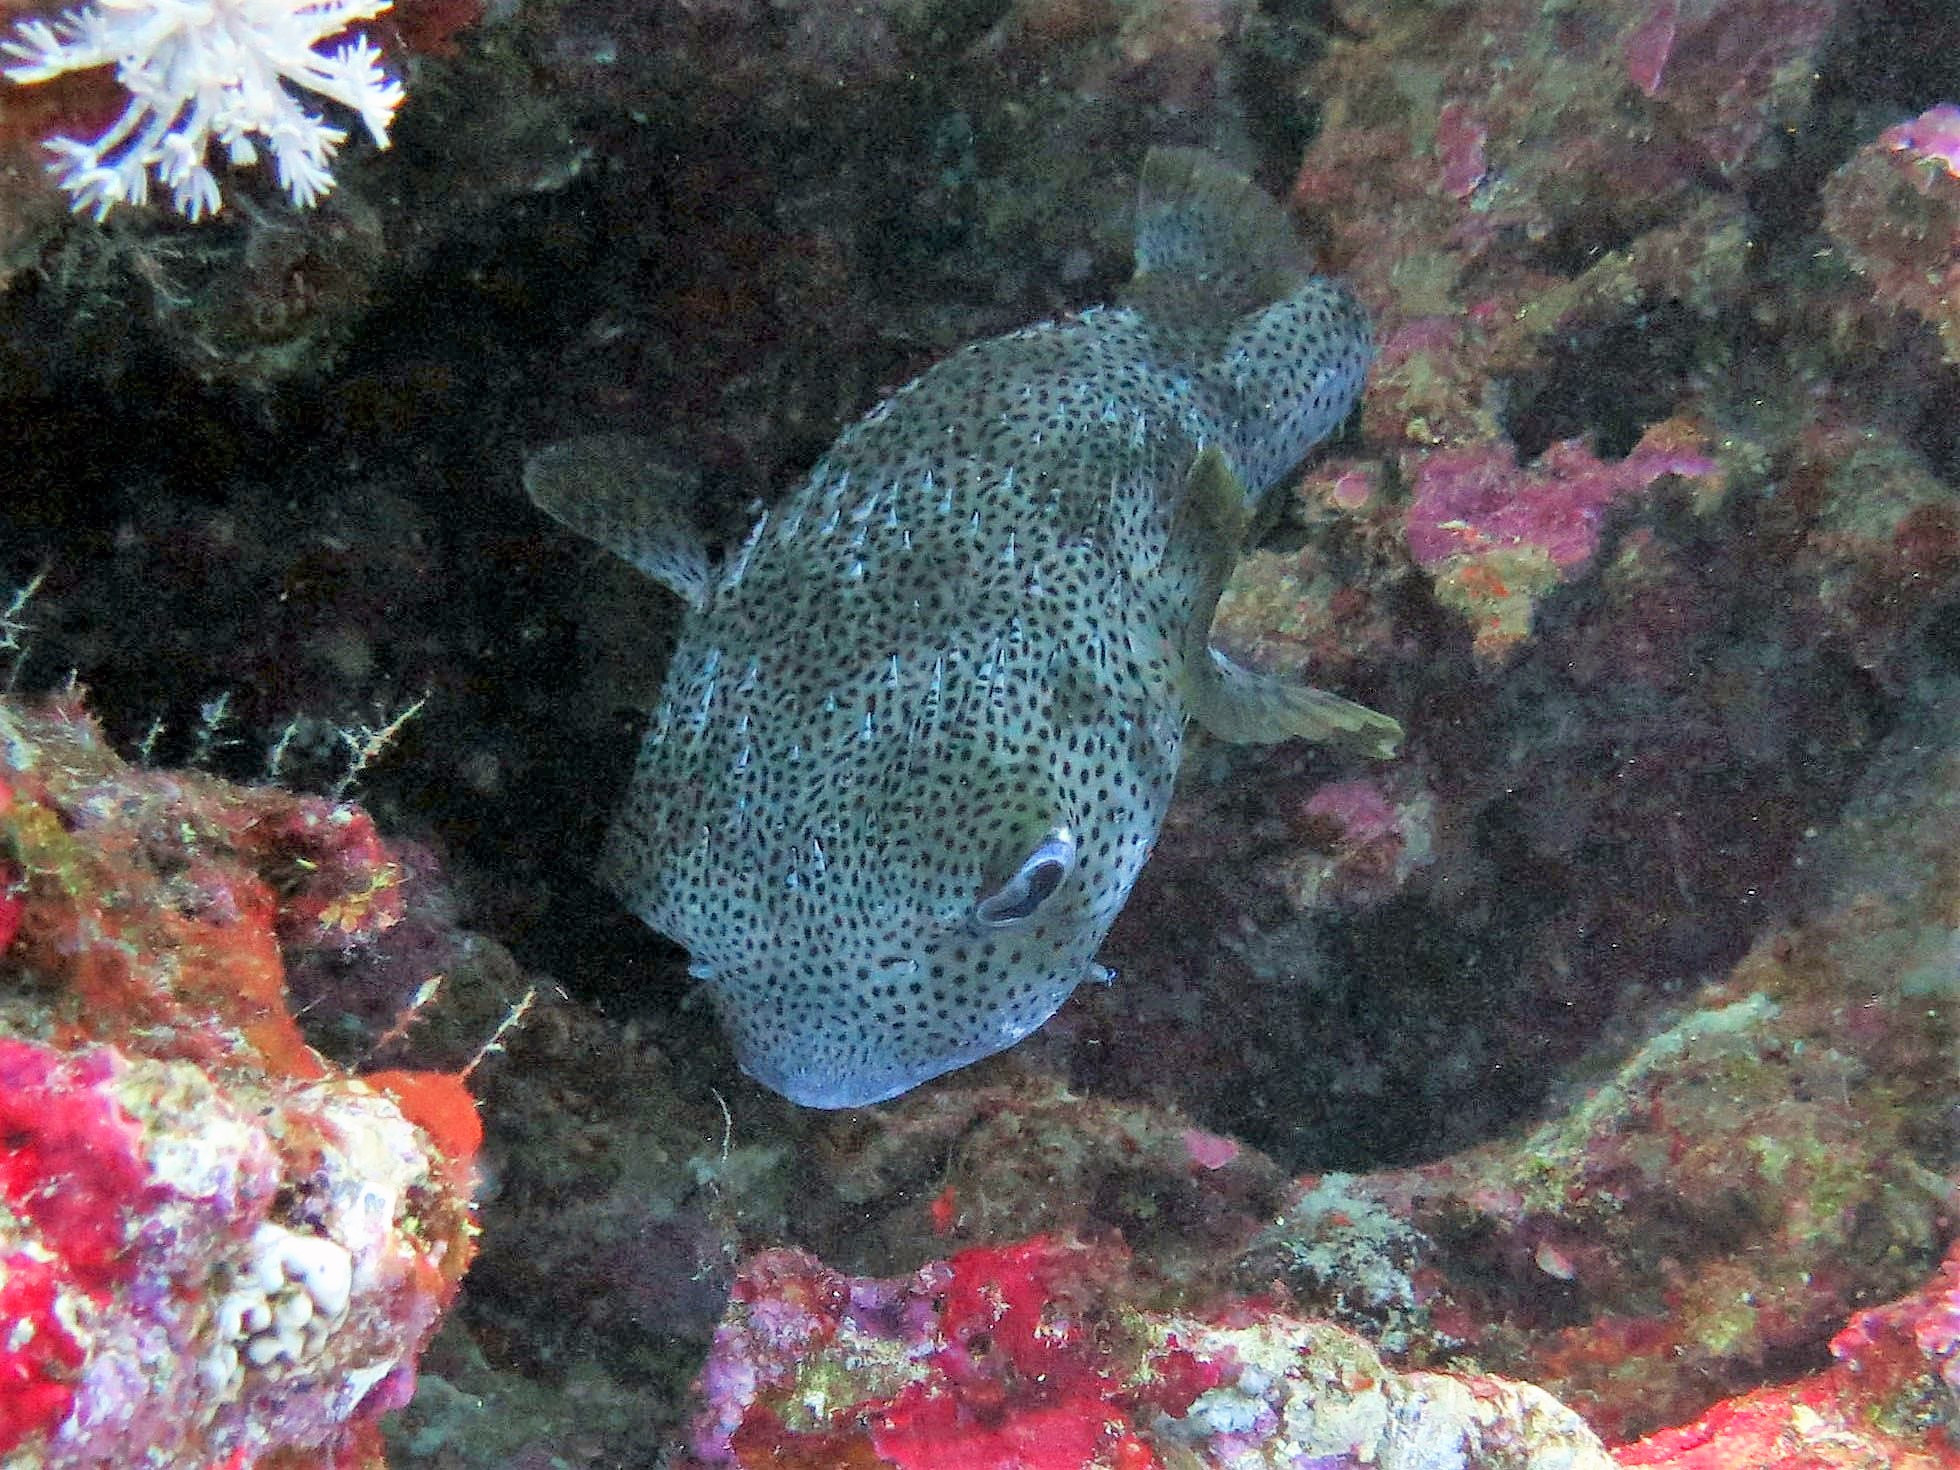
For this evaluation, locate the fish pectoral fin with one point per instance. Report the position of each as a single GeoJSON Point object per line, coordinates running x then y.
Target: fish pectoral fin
{"type": "Point", "coordinates": [612, 490]}
{"type": "Point", "coordinates": [1209, 525]}
{"type": "Point", "coordinates": [1214, 509]}
{"type": "Point", "coordinates": [1237, 704]}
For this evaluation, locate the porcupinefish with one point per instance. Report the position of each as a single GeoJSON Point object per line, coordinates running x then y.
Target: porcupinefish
{"type": "Point", "coordinates": [922, 724]}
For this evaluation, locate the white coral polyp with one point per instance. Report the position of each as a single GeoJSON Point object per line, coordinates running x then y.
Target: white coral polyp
{"type": "Point", "coordinates": [285, 1300]}
{"type": "Point", "coordinates": [200, 72]}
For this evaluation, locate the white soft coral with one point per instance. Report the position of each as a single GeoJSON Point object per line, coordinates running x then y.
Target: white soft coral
{"type": "Point", "coordinates": [205, 71]}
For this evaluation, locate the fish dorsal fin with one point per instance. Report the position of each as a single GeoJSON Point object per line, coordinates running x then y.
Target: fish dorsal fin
{"type": "Point", "coordinates": [1231, 702]}
{"type": "Point", "coordinates": [1209, 240]}
{"type": "Point", "coordinates": [611, 489]}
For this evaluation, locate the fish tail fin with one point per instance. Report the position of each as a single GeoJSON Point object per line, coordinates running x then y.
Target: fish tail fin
{"type": "Point", "coordinates": [1208, 234]}
{"type": "Point", "coordinates": [611, 489]}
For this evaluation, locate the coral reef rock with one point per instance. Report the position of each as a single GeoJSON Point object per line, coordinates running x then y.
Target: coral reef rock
{"type": "Point", "coordinates": [216, 1248]}
{"type": "Point", "coordinates": [1043, 1355]}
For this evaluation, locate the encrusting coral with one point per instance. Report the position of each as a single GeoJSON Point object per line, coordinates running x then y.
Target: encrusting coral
{"type": "Point", "coordinates": [1044, 1355]}
{"type": "Point", "coordinates": [216, 1248]}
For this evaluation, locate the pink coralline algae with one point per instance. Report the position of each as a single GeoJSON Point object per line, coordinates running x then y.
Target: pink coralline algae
{"type": "Point", "coordinates": [1359, 843]}
{"type": "Point", "coordinates": [1894, 211]}
{"type": "Point", "coordinates": [38, 1366]}
{"type": "Point", "coordinates": [1460, 140]}
{"type": "Point", "coordinates": [1209, 1150]}
{"type": "Point", "coordinates": [1042, 1355]}
{"type": "Point", "coordinates": [1495, 536]}
{"type": "Point", "coordinates": [1509, 186]}
{"type": "Point", "coordinates": [1933, 136]}
{"type": "Point", "coordinates": [1527, 120]}
{"type": "Point", "coordinates": [1650, 45]}
{"type": "Point", "coordinates": [1721, 67]}
{"type": "Point", "coordinates": [216, 1249]}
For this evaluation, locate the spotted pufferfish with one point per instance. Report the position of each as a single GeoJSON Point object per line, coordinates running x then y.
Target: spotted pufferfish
{"type": "Point", "coordinates": [922, 724]}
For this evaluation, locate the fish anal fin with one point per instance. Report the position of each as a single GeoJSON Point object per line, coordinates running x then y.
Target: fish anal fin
{"type": "Point", "coordinates": [612, 490]}
{"type": "Point", "coordinates": [1237, 704]}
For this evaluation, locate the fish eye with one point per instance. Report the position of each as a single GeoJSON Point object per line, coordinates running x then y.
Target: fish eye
{"type": "Point", "coordinates": [1039, 875]}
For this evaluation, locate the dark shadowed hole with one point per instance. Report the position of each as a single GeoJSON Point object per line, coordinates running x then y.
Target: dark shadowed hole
{"type": "Point", "coordinates": [1608, 383]}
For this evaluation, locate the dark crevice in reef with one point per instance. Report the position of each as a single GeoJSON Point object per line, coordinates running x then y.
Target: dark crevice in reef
{"type": "Point", "coordinates": [1581, 237]}
{"type": "Point", "coordinates": [1887, 60]}
{"type": "Point", "coordinates": [1609, 382]}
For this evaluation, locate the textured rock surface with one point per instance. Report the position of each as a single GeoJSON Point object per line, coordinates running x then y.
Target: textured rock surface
{"type": "Point", "coordinates": [1039, 1355]}
{"type": "Point", "coordinates": [215, 1247]}
{"type": "Point", "coordinates": [1598, 1040]}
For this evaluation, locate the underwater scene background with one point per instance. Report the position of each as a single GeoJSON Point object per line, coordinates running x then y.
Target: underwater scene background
{"type": "Point", "coordinates": [1576, 1088]}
